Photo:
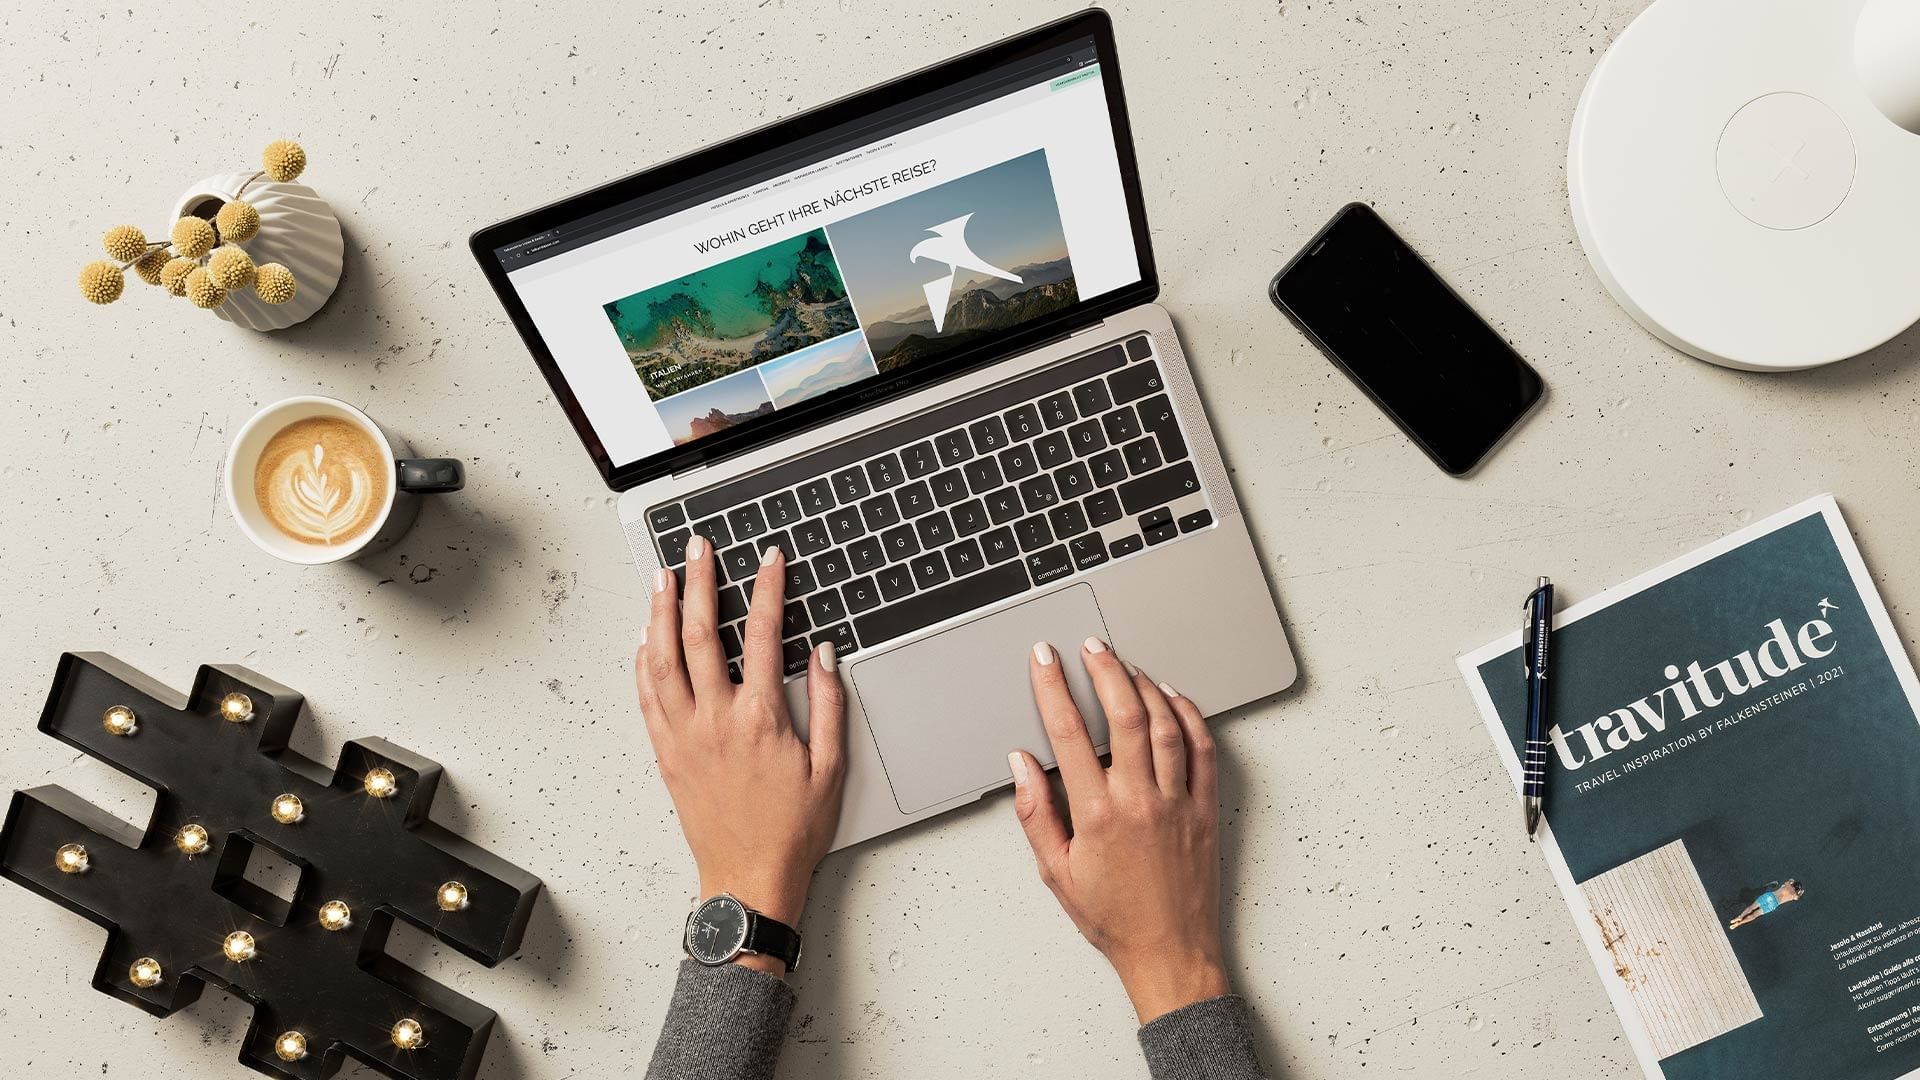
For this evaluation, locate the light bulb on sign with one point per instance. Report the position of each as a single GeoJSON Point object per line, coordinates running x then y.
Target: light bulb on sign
{"type": "Point", "coordinates": [236, 708]}
{"type": "Point", "coordinates": [290, 1046]}
{"type": "Point", "coordinates": [381, 783]}
{"type": "Point", "coordinates": [191, 840]}
{"type": "Point", "coordinates": [239, 947]}
{"type": "Point", "coordinates": [120, 720]}
{"type": "Point", "coordinates": [451, 896]}
{"type": "Point", "coordinates": [335, 915]}
{"type": "Point", "coordinates": [145, 973]}
{"type": "Point", "coordinates": [72, 859]}
{"type": "Point", "coordinates": [407, 1034]}
{"type": "Point", "coordinates": [288, 809]}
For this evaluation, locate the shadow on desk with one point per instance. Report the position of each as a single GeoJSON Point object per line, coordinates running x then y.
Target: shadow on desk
{"type": "Point", "coordinates": [444, 560]}
{"type": "Point", "coordinates": [1895, 358]}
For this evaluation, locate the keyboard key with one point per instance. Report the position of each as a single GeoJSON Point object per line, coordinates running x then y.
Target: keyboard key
{"type": "Point", "coordinates": [793, 620]}
{"type": "Point", "coordinates": [983, 475]}
{"type": "Point", "coordinates": [1087, 438]}
{"type": "Point", "coordinates": [989, 435]}
{"type": "Point", "coordinates": [1088, 551]}
{"type": "Point", "coordinates": [880, 512]}
{"type": "Point", "coordinates": [816, 496]}
{"type": "Point", "coordinates": [914, 499]}
{"type": "Point", "coordinates": [799, 579]}
{"type": "Point", "coordinates": [842, 638]}
{"type": "Point", "coordinates": [964, 558]}
{"type": "Point", "coordinates": [740, 562]}
{"type": "Point", "coordinates": [1053, 450]}
{"type": "Point", "coordinates": [1143, 456]}
{"type": "Point", "coordinates": [673, 547]}
{"type": "Point", "coordinates": [779, 540]}
{"type": "Point", "coordinates": [1199, 519]}
{"type": "Point", "coordinates": [929, 570]}
{"type": "Point", "coordinates": [919, 460]}
{"type": "Point", "coordinates": [1023, 423]}
{"type": "Point", "coordinates": [1050, 564]}
{"type": "Point", "coordinates": [950, 487]}
{"type": "Point", "coordinates": [1139, 348]}
{"type": "Point", "coordinates": [1162, 534]}
{"type": "Point", "coordinates": [999, 545]}
{"type": "Point", "coordinates": [1156, 413]}
{"type": "Point", "coordinates": [716, 531]}
{"type": "Point", "coordinates": [832, 568]}
{"type": "Point", "coordinates": [1038, 493]}
{"type": "Point", "coordinates": [851, 484]}
{"type": "Point", "coordinates": [844, 524]}
{"type": "Point", "coordinates": [1108, 468]}
{"type": "Point", "coordinates": [1056, 410]}
{"type": "Point", "coordinates": [1103, 508]}
{"type": "Point", "coordinates": [733, 673]}
{"type": "Point", "coordinates": [969, 517]}
{"type": "Point", "coordinates": [662, 518]}
{"type": "Point", "coordinates": [730, 643]}
{"type": "Point", "coordinates": [782, 510]}
{"type": "Point", "coordinates": [1153, 519]}
{"type": "Point", "coordinates": [970, 593]}
{"type": "Point", "coordinates": [1073, 481]}
{"type": "Point", "coordinates": [895, 581]}
{"type": "Point", "coordinates": [793, 656]}
{"type": "Point", "coordinates": [884, 472]}
{"type": "Point", "coordinates": [861, 594]}
{"type": "Point", "coordinates": [1018, 463]}
{"type": "Point", "coordinates": [1003, 505]}
{"type": "Point", "coordinates": [1033, 533]}
{"type": "Point", "coordinates": [1091, 398]}
{"type": "Point", "coordinates": [825, 607]}
{"type": "Point", "coordinates": [1145, 492]}
{"type": "Point", "coordinates": [1135, 382]}
{"type": "Point", "coordinates": [935, 531]}
{"type": "Point", "coordinates": [866, 555]}
{"type": "Point", "coordinates": [953, 447]}
{"type": "Point", "coordinates": [1126, 545]}
{"type": "Point", "coordinates": [1121, 425]}
{"type": "Point", "coordinates": [900, 543]}
{"type": "Point", "coordinates": [1067, 520]}
{"type": "Point", "coordinates": [733, 604]}
{"type": "Point", "coordinates": [810, 536]}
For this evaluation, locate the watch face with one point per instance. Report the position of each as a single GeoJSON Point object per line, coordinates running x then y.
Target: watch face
{"type": "Point", "coordinates": [717, 930]}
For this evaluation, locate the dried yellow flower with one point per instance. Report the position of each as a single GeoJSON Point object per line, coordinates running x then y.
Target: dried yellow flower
{"type": "Point", "coordinates": [238, 221]}
{"type": "Point", "coordinates": [203, 290]}
{"type": "Point", "coordinates": [125, 243]}
{"type": "Point", "coordinates": [230, 268]}
{"type": "Point", "coordinates": [173, 276]}
{"type": "Point", "coordinates": [193, 237]}
{"type": "Point", "coordinates": [150, 265]}
{"type": "Point", "coordinates": [102, 282]}
{"type": "Point", "coordinates": [283, 160]}
{"type": "Point", "coordinates": [273, 283]}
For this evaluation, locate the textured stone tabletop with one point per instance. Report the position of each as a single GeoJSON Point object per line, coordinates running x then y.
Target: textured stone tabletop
{"type": "Point", "coordinates": [1386, 915]}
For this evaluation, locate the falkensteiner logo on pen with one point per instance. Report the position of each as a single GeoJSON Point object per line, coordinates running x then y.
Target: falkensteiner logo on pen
{"type": "Point", "coordinates": [1693, 691]}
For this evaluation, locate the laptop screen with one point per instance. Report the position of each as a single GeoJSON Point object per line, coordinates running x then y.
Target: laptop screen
{"type": "Point", "coordinates": [919, 233]}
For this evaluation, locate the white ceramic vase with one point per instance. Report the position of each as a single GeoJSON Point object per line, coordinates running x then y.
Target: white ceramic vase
{"type": "Point", "coordinates": [298, 230]}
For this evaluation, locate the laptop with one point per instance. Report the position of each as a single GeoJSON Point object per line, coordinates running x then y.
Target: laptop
{"type": "Point", "coordinates": [911, 338]}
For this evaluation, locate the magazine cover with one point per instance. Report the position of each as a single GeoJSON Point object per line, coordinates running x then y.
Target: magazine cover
{"type": "Point", "coordinates": [1733, 804]}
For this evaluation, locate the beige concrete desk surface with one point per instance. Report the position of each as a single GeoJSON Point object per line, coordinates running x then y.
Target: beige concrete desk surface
{"type": "Point", "coordinates": [1386, 916]}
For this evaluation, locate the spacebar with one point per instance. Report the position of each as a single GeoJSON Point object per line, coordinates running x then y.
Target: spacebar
{"type": "Point", "coordinates": [934, 605]}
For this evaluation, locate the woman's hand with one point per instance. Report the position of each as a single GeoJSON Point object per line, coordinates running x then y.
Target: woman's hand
{"type": "Point", "coordinates": [758, 806]}
{"type": "Point", "coordinates": [1140, 874]}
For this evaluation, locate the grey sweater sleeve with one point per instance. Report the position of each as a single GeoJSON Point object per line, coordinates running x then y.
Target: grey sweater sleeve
{"type": "Point", "coordinates": [1207, 1040]}
{"type": "Point", "coordinates": [725, 1023]}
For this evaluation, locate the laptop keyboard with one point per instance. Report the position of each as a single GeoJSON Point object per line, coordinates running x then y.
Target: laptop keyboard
{"type": "Point", "coordinates": [952, 510]}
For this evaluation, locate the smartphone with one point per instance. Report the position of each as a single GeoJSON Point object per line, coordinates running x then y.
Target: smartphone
{"type": "Point", "coordinates": [1385, 318]}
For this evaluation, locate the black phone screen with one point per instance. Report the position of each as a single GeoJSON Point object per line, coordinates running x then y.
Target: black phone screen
{"type": "Point", "coordinates": [1383, 316]}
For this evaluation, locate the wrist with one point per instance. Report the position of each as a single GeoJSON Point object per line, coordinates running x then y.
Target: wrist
{"type": "Point", "coordinates": [1165, 983]}
{"type": "Point", "coordinates": [775, 897]}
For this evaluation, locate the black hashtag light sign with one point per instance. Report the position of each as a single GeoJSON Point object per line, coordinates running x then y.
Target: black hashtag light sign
{"type": "Point", "coordinates": [181, 915]}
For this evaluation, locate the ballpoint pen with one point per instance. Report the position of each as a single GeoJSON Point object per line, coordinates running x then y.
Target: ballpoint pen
{"type": "Point", "coordinates": [1537, 635]}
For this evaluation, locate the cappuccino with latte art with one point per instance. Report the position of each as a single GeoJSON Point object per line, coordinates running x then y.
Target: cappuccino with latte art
{"type": "Point", "coordinates": [321, 480]}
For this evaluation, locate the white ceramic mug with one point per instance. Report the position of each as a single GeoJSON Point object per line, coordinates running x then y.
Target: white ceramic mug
{"type": "Point", "coordinates": [407, 479]}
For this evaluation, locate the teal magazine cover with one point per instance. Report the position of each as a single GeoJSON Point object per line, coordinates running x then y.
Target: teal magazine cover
{"type": "Point", "coordinates": [1733, 804]}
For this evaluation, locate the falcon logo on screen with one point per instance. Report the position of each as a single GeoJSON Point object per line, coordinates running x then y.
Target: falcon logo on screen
{"type": "Point", "coordinates": [949, 245]}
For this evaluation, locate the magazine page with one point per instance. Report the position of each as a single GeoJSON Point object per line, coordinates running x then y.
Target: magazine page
{"type": "Point", "coordinates": [1733, 804]}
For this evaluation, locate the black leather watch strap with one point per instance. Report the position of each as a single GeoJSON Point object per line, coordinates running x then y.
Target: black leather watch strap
{"type": "Point", "coordinates": [771, 937]}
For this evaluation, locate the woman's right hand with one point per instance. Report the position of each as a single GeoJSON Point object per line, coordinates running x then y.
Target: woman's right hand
{"type": "Point", "coordinates": [1140, 873]}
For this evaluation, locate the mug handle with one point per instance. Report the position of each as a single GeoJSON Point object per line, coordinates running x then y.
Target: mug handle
{"type": "Point", "coordinates": [429, 476]}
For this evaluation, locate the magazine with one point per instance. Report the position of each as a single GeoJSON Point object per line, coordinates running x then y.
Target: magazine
{"type": "Point", "coordinates": [1733, 804]}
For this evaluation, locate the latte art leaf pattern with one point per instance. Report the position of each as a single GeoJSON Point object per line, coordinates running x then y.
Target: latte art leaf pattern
{"type": "Point", "coordinates": [319, 503]}
{"type": "Point", "coordinates": [321, 481]}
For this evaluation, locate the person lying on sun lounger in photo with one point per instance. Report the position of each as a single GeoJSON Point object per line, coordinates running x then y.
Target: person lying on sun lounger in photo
{"type": "Point", "coordinates": [1785, 893]}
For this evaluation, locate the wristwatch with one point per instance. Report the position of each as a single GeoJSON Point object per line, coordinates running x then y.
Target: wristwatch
{"type": "Point", "coordinates": [722, 928]}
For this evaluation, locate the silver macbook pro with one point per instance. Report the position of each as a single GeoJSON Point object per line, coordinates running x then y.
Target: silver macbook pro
{"type": "Point", "coordinates": [911, 337]}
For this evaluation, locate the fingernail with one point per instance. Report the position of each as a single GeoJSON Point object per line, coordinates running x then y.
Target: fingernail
{"type": "Point", "coordinates": [696, 547]}
{"type": "Point", "coordinates": [1131, 670]}
{"type": "Point", "coordinates": [643, 636]}
{"type": "Point", "coordinates": [1017, 761]}
{"type": "Point", "coordinates": [1168, 690]}
{"type": "Point", "coordinates": [1095, 645]}
{"type": "Point", "coordinates": [828, 658]}
{"type": "Point", "coordinates": [1043, 652]}
{"type": "Point", "coordinates": [662, 578]}
{"type": "Point", "coordinates": [767, 556]}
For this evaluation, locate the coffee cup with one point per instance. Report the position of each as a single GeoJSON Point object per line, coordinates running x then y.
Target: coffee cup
{"type": "Point", "coordinates": [315, 480]}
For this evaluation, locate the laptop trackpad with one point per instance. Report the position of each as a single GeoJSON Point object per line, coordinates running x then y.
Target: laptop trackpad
{"type": "Point", "coordinates": [945, 711]}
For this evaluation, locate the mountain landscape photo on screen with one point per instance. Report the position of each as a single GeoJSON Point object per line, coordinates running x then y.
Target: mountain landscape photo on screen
{"type": "Point", "coordinates": [715, 406]}
{"type": "Point", "coordinates": [813, 371]}
{"type": "Point", "coordinates": [733, 315]}
{"type": "Point", "coordinates": [986, 250]}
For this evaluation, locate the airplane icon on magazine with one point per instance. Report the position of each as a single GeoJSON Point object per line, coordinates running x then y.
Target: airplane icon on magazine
{"type": "Point", "coordinates": [949, 245]}
{"type": "Point", "coordinates": [1827, 604]}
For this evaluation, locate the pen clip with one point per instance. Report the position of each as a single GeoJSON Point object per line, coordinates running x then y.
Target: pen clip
{"type": "Point", "coordinates": [1526, 633]}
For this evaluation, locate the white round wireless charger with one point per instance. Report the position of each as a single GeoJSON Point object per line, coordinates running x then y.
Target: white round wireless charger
{"type": "Point", "coordinates": [1736, 186]}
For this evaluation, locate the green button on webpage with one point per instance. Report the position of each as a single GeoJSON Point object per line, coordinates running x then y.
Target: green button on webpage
{"type": "Point", "coordinates": [1082, 75]}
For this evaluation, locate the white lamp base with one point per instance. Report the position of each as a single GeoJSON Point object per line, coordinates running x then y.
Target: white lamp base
{"type": "Point", "coordinates": [1737, 190]}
